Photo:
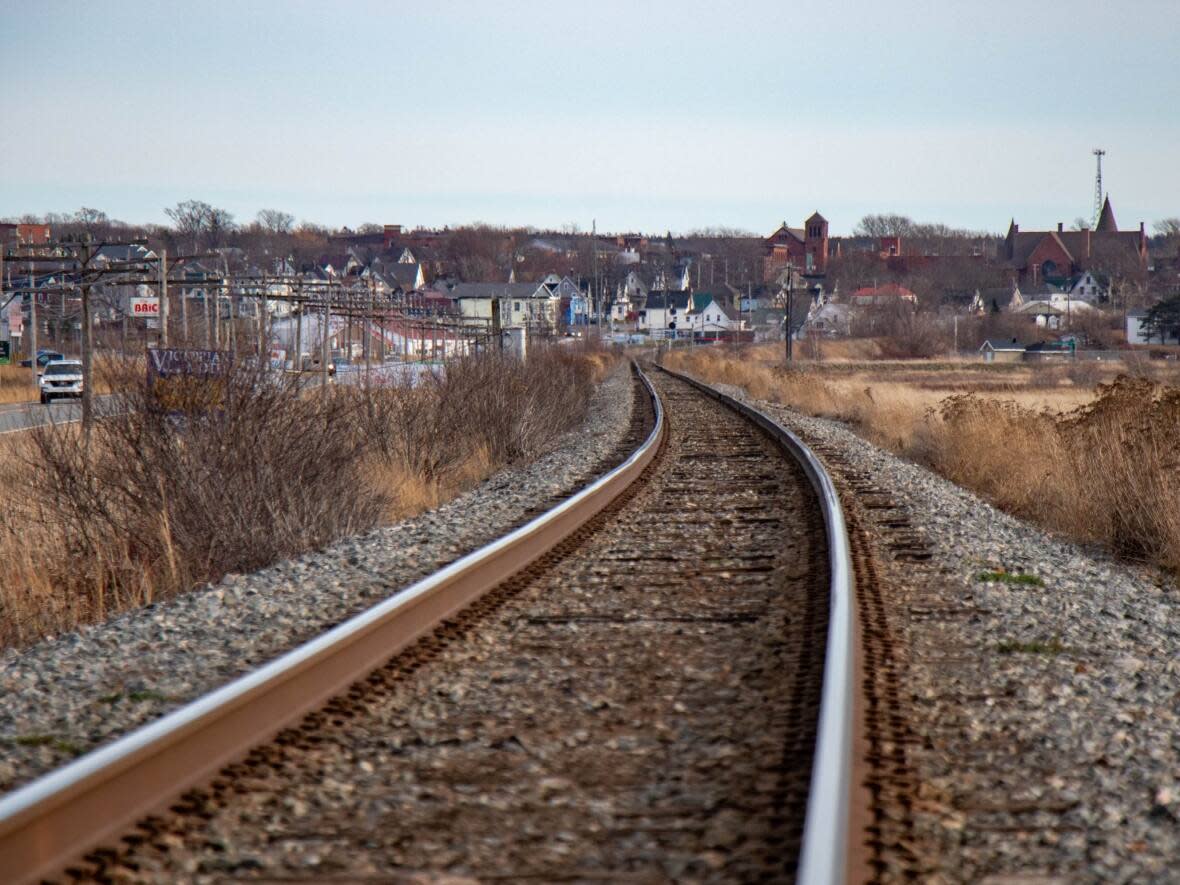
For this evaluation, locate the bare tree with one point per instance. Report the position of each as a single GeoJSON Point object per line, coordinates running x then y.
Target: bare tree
{"type": "Point", "coordinates": [204, 226]}
{"type": "Point", "coordinates": [275, 222]}
{"type": "Point", "coordinates": [1167, 227]}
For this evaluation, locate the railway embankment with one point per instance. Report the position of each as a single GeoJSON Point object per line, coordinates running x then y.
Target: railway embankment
{"type": "Point", "coordinates": [1037, 680]}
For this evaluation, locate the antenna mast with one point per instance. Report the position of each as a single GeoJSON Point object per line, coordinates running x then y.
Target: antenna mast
{"type": "Point", "coordinates": [1098, 152]}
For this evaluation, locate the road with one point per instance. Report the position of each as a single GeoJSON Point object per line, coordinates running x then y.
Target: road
{"type": "Point", "coordinates": [17, 417]}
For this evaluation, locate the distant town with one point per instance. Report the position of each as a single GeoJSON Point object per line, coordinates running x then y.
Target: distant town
{"type": "Point", "coordinates": [924, 288]}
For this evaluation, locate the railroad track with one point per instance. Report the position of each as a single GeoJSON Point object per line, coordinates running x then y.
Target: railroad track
{"type": "Point", "coordinates": [651, 681]}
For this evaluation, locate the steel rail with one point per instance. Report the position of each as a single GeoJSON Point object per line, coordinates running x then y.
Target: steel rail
{"type": "Point", "coordinates": [823, 859]}
{"type": "Point", "coordinates": [56, 819]}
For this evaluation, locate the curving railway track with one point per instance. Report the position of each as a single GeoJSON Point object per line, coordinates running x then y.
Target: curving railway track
{"type": "Point", "coordinates": [631, 688]}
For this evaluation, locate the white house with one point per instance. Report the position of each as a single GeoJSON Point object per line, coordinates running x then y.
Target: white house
{"type": "Point", "coordinates": [827, 318]}
{"type": "Point", "coordinates": [1089, 288]}
{"type": "Point", "coordinates": [667, 314]}
{"type": "Point", "coordinates": [710, 316]}
{"type": "Point", "coordinates": [620, 308]}
{"type": "Point", "coordinates": [519, 305]}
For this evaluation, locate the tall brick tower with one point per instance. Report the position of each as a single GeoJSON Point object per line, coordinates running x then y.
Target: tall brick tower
{"type": "Point", "coordinates": [815, 244]}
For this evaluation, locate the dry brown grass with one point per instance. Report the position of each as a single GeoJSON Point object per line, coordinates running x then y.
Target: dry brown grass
{"type": "Point", "coordinates": [16, 385]}
{"type": "Point", "coordinates": [1081, 449]}
{"type": "Point", "coordinates": [155, 503]}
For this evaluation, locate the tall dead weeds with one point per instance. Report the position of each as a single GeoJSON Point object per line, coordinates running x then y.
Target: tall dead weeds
{"type": "Point", "coordinates": [254, 468]}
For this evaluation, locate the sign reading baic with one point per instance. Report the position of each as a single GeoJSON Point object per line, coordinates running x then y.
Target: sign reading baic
{"type": "Point", "coordinates": [145, 307]}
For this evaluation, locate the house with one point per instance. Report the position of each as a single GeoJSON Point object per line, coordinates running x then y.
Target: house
{"type": "Point", "coordinates": [1089, 287]}
{"type": "Point", "coordinates": [1002, 350]}
{"type": "Point", "coordinates": [632, 290]}
{"type": "Point", "coordinates": [997, 300]}
{"type": "Point", "coordinates": [666, 314]}
{"type": "Point", "coordinates": [676, 279]}
{"type": "Point", "coordinates": [827, 318]}
{"type": "Point", "coordinates": [407, 276]}
{"type": "Point", "coordinates": [709, 316]}
{"type": "Point", "coordinates": [123, 253]}
{"type": "Point", "coordinates": [339, 265]}
{"type": "Point", "coordinates": [804, 248]}
{"type": "Point", "coordinates": [577, 307]}
{"type": "Point", "coordinates": [510, 305]}
{"type": "Point", "coordinates": [1059, 256]}
{"type": "Point", "coordinates": [620, 309]}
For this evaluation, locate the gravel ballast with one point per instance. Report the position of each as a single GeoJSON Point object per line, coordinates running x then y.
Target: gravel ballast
{"type": "Point", "coordinates": [70, 694]}
{"type": "Point", "coordinates": [1045, 707]}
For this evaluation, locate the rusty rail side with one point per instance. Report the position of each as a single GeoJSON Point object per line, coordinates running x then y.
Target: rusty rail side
{"type": "Point", "coordinates": [56, 819]}
{"type": "Point", "coordinates": [827, 833]}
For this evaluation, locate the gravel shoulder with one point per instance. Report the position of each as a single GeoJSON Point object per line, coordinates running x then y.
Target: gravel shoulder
{"type": "Point", "coordinates": [1045, 712]}
{"type": "Point", "coordinates": [69, 694]}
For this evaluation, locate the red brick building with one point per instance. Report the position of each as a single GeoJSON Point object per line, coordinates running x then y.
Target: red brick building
{"type": "Point", "coordinates": [805, 248]}
{"type": "Point", "coordinates": [24, 234]}
{"type": "Point", "coordinates": [1056, 256]}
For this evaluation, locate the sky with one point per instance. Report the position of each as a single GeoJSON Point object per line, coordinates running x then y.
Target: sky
{"type": "Point", "coordinates": [632, 115]}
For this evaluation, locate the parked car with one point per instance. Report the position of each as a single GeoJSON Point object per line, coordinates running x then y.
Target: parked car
{"type": "Point", "coordinates": [44, 357]}
{"type": "Point", "coordinates": [61, 378]}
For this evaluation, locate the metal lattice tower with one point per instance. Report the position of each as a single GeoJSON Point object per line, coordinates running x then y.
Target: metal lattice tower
{"type": "Point", "coordinates": [1098, 152]}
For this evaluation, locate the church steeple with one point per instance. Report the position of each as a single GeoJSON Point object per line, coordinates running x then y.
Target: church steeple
{"type": "Point", "coordinates": [1106, 222]}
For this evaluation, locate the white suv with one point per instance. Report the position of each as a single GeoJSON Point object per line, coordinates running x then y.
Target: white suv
{"type": "Point", "coordinates": [61, 378]}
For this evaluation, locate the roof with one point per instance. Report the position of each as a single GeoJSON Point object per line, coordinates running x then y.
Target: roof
{"type": "Point", "coordinates": [405, 274]}
{"type": "Point", "coordinates": [1008, 344]}
{"type": "Point", "coordinates": [124, 252]}
{"type": "Point", "coordinates": [660, 298]}
{"type": "Point", "coordinates": [883, 293]}
{"type": "Point", "coordinates": [796, 232]}
{"type": "Point", "coordinates": [495, 290]}
{"type": "Point", "coordinates": [1106, 223]}
{"type": "Point", "coordinates": [700, 300]}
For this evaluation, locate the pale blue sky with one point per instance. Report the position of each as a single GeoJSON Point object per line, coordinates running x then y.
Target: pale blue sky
{"type": "Point", "coordinates": [642, 115]}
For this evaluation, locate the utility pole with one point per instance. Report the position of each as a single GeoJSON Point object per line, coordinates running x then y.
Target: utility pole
{"type": "Point", "coordinates": [790, 317]}
{"type": "Point", "coordinates": [326, 349]}
{"type": "Point", "coordinates": [87, 346]}
{"type": "Point", "coordinates": [163, 297]}
{"type": "Point", "coordinates": [299, 308]}
{"type": "Point", "coordinates": [184, 315]}
{"type": "Point", "coordinates": [33, 326]}
{"type": "Point", "coordinates": [209, 316]}
{"type": "Point", "coordinates": [368, 333]}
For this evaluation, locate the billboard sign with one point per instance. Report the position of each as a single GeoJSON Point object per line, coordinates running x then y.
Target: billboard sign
{"type": "Point", "coordinates": [188, 380]}
{"type": "Point", "coordinates": [5, 353]}
{"type": "Point", "coordinates": [145, 307]}
{"type": "Point", "coordinates": [16, 319]}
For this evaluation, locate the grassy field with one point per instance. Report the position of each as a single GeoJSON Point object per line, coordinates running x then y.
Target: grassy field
{"type": "Point", "coordinates": [1088, 449]}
